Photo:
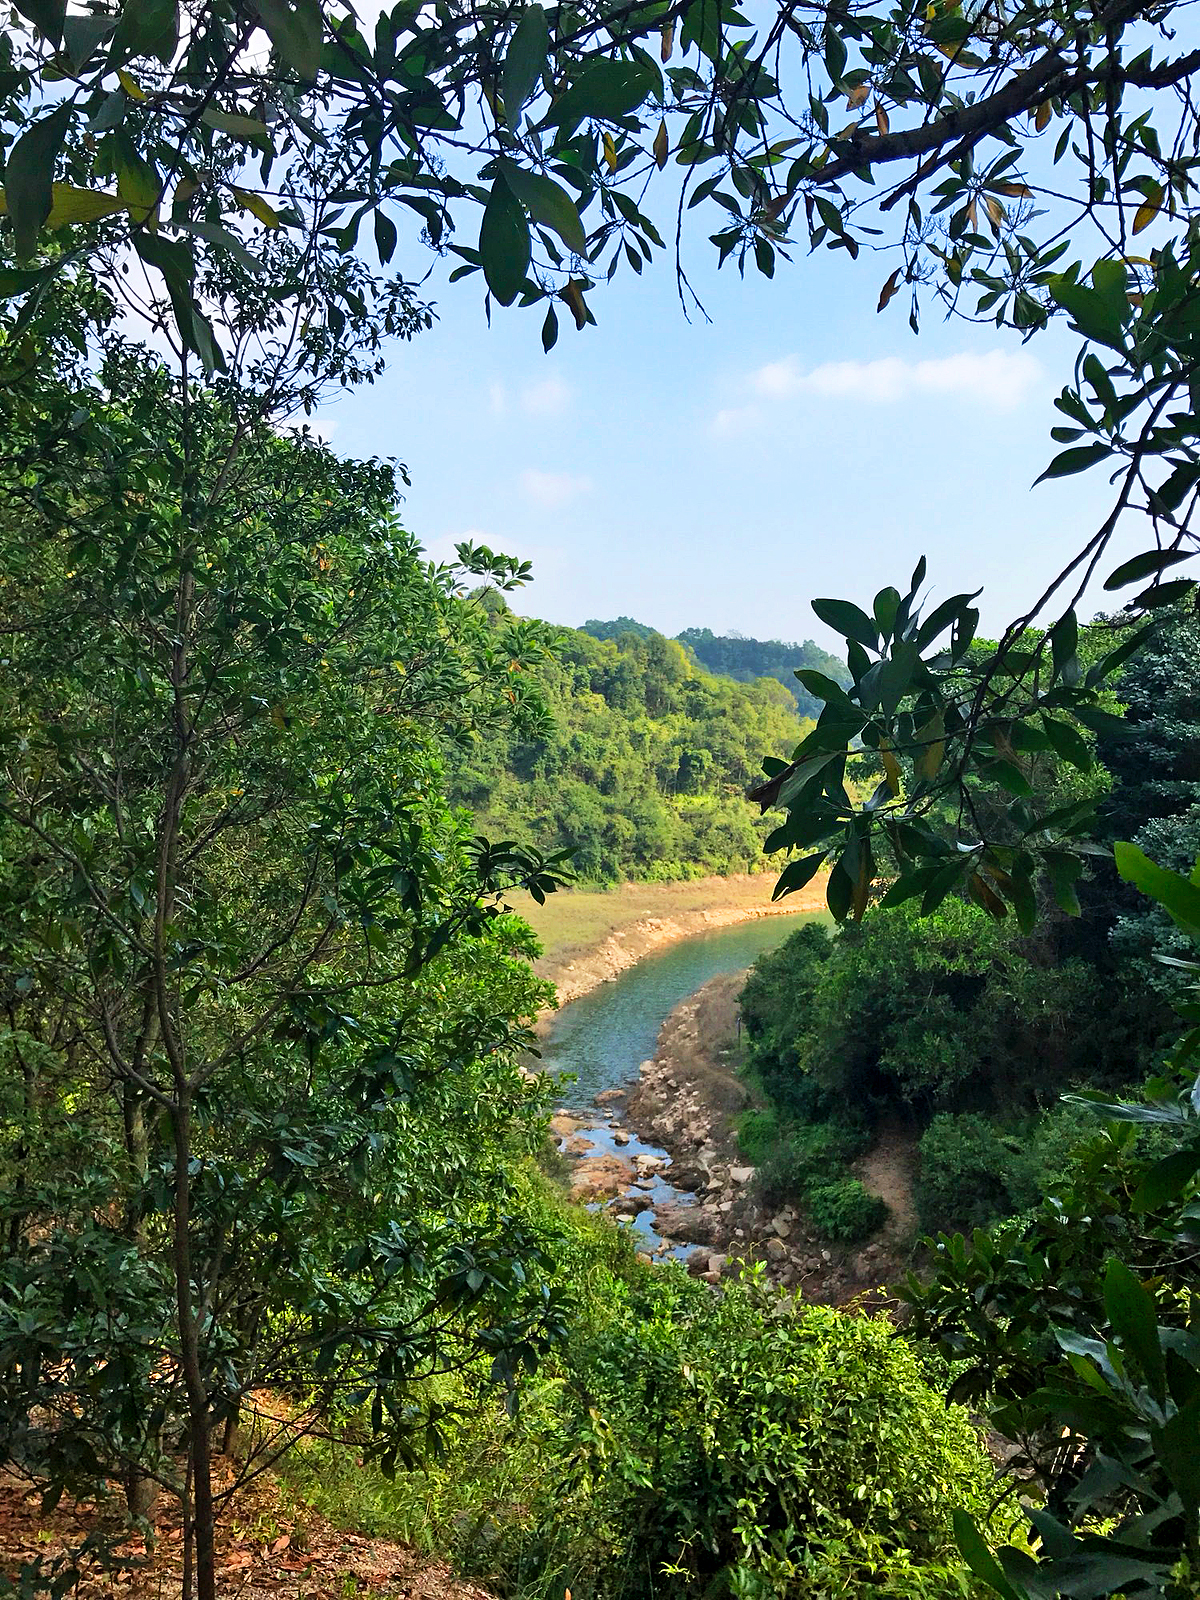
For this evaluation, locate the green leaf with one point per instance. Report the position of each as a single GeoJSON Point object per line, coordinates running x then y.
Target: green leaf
{"type": "Point", "coordinates": [548, 203]}
{"type": "Point", "coordinates": [1097, 316]}
{"type": "Point", "coordinates": [1175, 893]}
{"type": "Point", "coordinates": [839, 892]}
{"type": "Point", "coordinates": [1108, 664]}
{"type": "Point", "coordinates": [138, 184]}
{"type": "Point", "coordinates": [797, 873]}
{"type": "Point", "coordinates": [1064, 646]}
{"type": "Point", "coordinates": [1144, 566]}
{"type": "Point", "coordinates": [607, 90]}
{"type": "Point", "coordinates": [248, 129]}
{"type": "Point", "coordinates": [1024, 902]}
{"type": "Point", "coordinates": [942, 616]}
{"type": "Point", "coordinates": [504, 243]}
{"type": "Point", "coordinates": [1166, 1179]}
{"type": "Point", "coordinates": [1163, 594]}
{"type": "Point", "coordinates": [1064, 869]}
{"type": "Point", "coordinates": [524, 61]}
{"type": "Point", "coordinates": [173, 258]}
{"type": "Point", "coordinates": [979, 1558]}
{"type": "Point", "coordinates": [1068, 743]}
{"type": "Point", "coordinates": [47, 17]}
{"type": "Point", "coordinates": [1077, 460]}
{"type": "Point", "coordinates": [849, 620]}
{"type": "Point", "coordinates": [1131, 1312]}
{"type": "Point", "coordinates": [887, 603]}
{"type": "Point", "coordinates": [213, 233]}
{"type": "Point", "coordinates": [295, 30]}
{"type": "Point", "coordinates": [1178, 1447]}
{"type": "Point", "coordinates": [148, 28]}
{"type": "Point", "coordinates": [550, 329]}
{"type": "Point", "coordinates": [29, 178]}
{"type": "Point", "coordinates": [70, 205]}
{"type": "Point", "coordinates": [82, 36]}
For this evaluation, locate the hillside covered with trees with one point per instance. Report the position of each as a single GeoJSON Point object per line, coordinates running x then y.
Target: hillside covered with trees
{"type": "Point", "coordinates": [734, 656]}
{"type": "Point", "coordinates": [632, 757]}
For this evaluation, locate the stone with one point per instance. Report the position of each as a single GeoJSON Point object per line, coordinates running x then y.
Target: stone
{"type": "Point", "coordinates": [776, 1250]}
{"type": "Point", "coordinates": [717, 1262]}
{"type": "Point", "coordinates": [620, 1136]}
{"type": "Point", "coordinates": [695, 1224]}
{"type": "Point", "coordinates": [826, 1255]}
{"type": "Point", "coordinates": [562, 1123]}
{"type": "Point", "coordinates": [576, 1145]}
{"type": "Point", "coordinates": [630, 1205]}
{"type": "Point", "coordinates": [597, 1177]}
{"type": "Point", "coordinates": [741, 1174]}
{"type": "Point", "coordinates": [608, 1097]}
{"type": "Point", "coordinates": [781, 1226]}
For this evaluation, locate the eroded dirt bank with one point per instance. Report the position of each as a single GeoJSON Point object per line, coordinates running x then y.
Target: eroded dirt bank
{"type": "Point", "coordinates": [590, 938]}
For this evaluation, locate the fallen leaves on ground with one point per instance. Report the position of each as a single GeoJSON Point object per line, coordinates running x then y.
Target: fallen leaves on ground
{"type": "Point", "coordinates": [263, 1550]}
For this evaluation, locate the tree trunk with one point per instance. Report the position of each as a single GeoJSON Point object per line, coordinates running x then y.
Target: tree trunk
{"type": "Point", "coordinates": [141, 1491]}
{"type": "Point", "coordinates": [199, 1420]}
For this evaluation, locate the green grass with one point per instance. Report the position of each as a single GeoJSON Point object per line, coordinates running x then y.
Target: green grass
{"type": "Point", "coordinates": [575, 920]}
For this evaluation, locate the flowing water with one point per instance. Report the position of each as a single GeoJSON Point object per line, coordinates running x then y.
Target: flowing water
{"type": "Point", "coordinates": [603, 1037]}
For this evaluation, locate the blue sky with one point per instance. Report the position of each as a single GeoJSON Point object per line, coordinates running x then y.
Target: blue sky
{"type": "Point", "coordinates": [723, 474]}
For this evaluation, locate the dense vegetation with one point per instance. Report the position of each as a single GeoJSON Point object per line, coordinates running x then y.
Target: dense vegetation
{"type": "Point", "coordinates": [679, 1444]}
{"type": "Point", "coordinates": [639, 764]}
{"type": "Point", "coordinates": [263, 1123]}
{"type": "Point", "coordinates": [734, 656]}
{"type": "Point", "coordinates": [963, 1028]}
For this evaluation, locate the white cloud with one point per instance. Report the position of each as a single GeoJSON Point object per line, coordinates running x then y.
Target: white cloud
{"type": "Point", "coordinates": [1000, 379]}
{"type": "Point", "coordinates": [547, 397]}
{"type": "Point", "coordinates": [552, 489]}
{"type": "Point", "coordinates": [541, 397]}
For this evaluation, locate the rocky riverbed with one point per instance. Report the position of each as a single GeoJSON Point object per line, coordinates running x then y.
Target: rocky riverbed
{"type": "Point", "coordinates": [664, 1156]}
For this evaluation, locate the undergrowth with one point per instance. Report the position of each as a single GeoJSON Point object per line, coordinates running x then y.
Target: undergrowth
{"type": "Point", "coordinates": [681, 1443]}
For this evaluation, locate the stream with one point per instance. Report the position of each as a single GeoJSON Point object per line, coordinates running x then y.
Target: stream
{"type": "Point", "coordinates": [604, 1036]}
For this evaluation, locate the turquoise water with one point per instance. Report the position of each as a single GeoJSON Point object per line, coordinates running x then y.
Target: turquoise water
{"type": "Point", "coordinates": [605, 1036]}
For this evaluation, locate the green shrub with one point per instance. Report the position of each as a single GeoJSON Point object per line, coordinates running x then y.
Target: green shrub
{"type": "Point", "coordinates": [757, 1134]}
{"type": "Point", "coordinates": [975, 1172]}
{"type": "Point", "coordinates": [811, 1152]}
{"type": "Point", "coordinates": [844, 1211]}
{"type": "Point", "coordinates": [690, 1444]}
{"type": "Point", "coordinates": [971, 1174]}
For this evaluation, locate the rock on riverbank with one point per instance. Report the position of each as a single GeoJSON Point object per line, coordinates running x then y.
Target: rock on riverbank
{"type": "Point", "coordinates": [686, 1100]}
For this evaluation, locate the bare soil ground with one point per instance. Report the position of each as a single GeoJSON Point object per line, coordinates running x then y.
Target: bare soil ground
{"type": "Point", "coordinates": [264, 1549]}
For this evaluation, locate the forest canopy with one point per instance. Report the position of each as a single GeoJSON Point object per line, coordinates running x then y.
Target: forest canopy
{"type": "Point", "coordinates": [639, 763]}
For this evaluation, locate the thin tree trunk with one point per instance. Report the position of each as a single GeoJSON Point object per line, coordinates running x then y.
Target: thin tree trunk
{"type": "Point", "coordinates": [141, 1491]}
{"type": "Point", "coordinates": [199, 1421]}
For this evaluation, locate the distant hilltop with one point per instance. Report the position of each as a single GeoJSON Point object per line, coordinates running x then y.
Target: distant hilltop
{"type": "Point", "coordinates": [731, 655]}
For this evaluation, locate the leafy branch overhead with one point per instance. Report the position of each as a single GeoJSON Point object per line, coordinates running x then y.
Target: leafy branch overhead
{"type": "Point", "coordinates": [952, 728]}
{"type": "Point", "coordinates": [971, 143]}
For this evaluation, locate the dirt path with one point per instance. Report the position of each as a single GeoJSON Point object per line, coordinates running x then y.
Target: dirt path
{"type": "Point", "coordinates": [268, 1548]}
{"type": "Point", "coordinates": [888, 1170]}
